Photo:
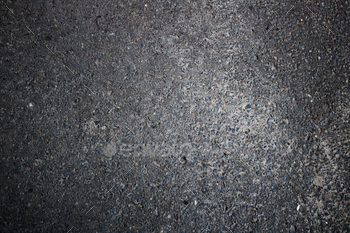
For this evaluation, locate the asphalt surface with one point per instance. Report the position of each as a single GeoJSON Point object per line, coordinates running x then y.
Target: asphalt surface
{"type": "Point", "coordinates": [174, 116]}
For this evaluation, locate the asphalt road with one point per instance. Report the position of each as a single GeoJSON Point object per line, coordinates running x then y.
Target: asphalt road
{"type": "Point", "coordinates": [174, 116]}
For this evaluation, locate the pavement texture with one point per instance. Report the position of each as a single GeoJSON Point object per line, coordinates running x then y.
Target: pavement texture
{"type": "Point", "coordinates": [174, 116]}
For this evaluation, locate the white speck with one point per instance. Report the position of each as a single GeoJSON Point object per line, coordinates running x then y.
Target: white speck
{"type": "Point", "coordinates": [311, 101]}
{"type": "Point", "coordinates": [31, 105]}
{"type": "Point", "coordinates": [319, 58]}
{"type": "Point", "coordinates": [145, 5]}
{"type": "Point", "coordinates": [195, 202]}
{"type": "Point", "coordinates": [111, 34]}
{"type": "Point", "coordinates": [298, 207]}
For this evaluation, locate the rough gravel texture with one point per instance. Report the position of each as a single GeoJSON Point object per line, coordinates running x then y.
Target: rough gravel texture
{"type": "Point", "coordinates": [174, 116]}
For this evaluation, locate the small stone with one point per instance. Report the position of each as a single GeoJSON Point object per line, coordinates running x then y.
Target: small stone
{"type": "Point", "coordinates": [216, 109]}
{"type": "Point", "coordinates": [156, 163]}
{"type": "Point", "coordinates": [292, 228]}
{"type": "Point", "coordinates": [183, 159]}
{"type": "Point", "coordinates": [270, 121]}
{"type": "Point", "coordinates": [248, 106]}
{"type": "Point", "coordinates": [144, 170]}
{"type": "Point", "coordinates": [110, 150]}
